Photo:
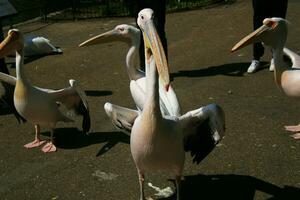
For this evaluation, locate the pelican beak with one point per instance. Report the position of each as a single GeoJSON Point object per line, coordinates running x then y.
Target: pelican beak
{"type": "Point", "coordinates": [107, 37]}
{"type": "Point", "coordinates": [9, 44]}
{"type": "Point", "coordinates": [153, 46]}
{"type": "Point", "coordinates": [256, 36]}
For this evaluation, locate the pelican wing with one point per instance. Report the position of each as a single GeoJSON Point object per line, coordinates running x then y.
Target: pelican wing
{"type": "Point", "coordinates": [34, 46]}
{"type": "Point", "coordinates": [168, 102]}
{"type": "Point", "coordinates": [121, 117]}
{"type": "Point", "coordinates": [203, 129]}
{"type": "Point", "coordinates": [8, 79]}
{"type": "Point", "coordinates": [73, 98]}
{"type": "Point", "coordinates": [295, 58]}
{"type": "Point", "coordinates": [137, 89]}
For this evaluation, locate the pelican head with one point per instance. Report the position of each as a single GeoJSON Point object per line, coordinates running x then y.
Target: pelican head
{"type": "Point", "coordinates": [153, 45]}
{"type": "Point", "coordinates": [272, 33]}
{"type": "Point", "coordinates": [124, 33]}
{"type": "Point", "coordinates": [12, 42]}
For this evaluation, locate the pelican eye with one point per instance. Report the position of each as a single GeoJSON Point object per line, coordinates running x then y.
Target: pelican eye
{"type": "Point", "coordinates": [271, 24]}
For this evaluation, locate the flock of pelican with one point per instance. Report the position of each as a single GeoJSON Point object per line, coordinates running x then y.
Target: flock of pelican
{"type": "Point", "coordinates": [159, 134]}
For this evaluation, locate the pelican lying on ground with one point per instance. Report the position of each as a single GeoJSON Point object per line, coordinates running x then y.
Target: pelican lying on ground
{"type": "Point", "coordinates": [273, 33]}
{"type": "Point", "coordinates": [131, 35]}
{"type": "Point", "coordinates": [159, 142]}
{"type": "Point", "coordinates": [37, 46]}
{"type": "Point", "coordinates": [37, 105]}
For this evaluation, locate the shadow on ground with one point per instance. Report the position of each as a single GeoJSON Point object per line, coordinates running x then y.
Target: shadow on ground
{"type": "Point", "coordinates": [11, 61]}
{"type": "Point", "coordinates": [232, 69]}
{"type": "Point", "coordinates": [72, 138]}
{"type": "Point", "coordinates": [97, 93]}
{"type": "Point", "coordinates": [232, 186]}
{"type": "Point", "coordinates": [5, 110]}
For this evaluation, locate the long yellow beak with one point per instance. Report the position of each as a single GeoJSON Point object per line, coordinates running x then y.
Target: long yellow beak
{"type": "Point", "coordinates": [255, 36]}
{"type": "Point", "coordinates": [107, 37]}
{"type": "Point", "coordinates": [154, 46]}
{"type": "Point", "coordinates": [9, 45]}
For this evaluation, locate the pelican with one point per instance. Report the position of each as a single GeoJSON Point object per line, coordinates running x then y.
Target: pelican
{"type": "Point", "coordinates": [159, 142]}
{"type": "Point", "coordinates": [33, 46]}
{"type": "Point", "coordinates": [273, 33]}
{"type": "Point", "coordinates": [131, 35]}
{"type": "Point", "coordinates": [37, 105]}
{"type": "Point", "coordinates": [37, 46]}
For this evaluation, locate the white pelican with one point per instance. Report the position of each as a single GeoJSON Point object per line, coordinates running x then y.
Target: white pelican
{"type": "Point", "coordinates": [159, 142]}
{"type": "Point", "coordinates": [131, 35]}
{"type": "Point", "coordinates": [37, 105]}
{"type": "Point", "coordinates": [36, 46]}
{"type": "Point", "coordinates": [273, 33]}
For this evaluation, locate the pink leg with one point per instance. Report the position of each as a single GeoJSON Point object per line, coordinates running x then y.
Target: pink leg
{"type": "Point", "coordinates": [37, 142]}
{"type": "Point", "coordinates": [49, 147]}
{"type": "Point", "coordinates": [141, 181]}
{"type": "Point", "coordinates": [178, 187]}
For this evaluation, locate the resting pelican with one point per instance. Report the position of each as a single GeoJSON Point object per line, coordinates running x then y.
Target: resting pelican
{"type": "Point", "coordinates": [131, 35]}
{"type": "Point", "coordinates": [36, 46]}
{"type": "Point", "coordinates": [159, 142]}
{"type": "Point", "coordinates": [273, 33]}
{"type": "Point", "coordinates": [37, 105]}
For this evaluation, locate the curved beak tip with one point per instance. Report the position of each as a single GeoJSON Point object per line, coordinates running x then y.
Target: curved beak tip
{"type": "Point", "coordinates": [81, 44]}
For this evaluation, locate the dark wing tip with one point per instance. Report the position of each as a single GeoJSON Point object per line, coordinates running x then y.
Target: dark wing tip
{"type": "Point", "coordinates": [201, 143]}
{"type": "Point", "coordinates": [86, 121]}
{"type": "Point", "coordinates": [20, 118]}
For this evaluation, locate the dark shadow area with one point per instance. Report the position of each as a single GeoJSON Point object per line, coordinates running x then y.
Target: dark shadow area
{"type": "Point", "coordinates": [11, 61]}
{"type": "Point", "coordinates": [72, 138]}
{"type": "Point", "coordinates": [5, 110]}
{"type": "Point", "coordinates": [233, 69]}
{"type": "Point", "coordinates": [239, 187]}
{"type": "Point", "coordinates": [97, 93]}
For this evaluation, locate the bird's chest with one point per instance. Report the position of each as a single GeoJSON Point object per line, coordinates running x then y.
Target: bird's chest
{"type": "Point", "coordinates": [154, 148]}
{"type": "Point", "coordinates": [290, 83]}
{"type": "Point", "coordinates": [33, 105]}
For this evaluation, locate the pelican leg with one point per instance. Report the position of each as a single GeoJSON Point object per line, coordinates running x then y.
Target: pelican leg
{"type": "Point", "coordinates": [37, 141]}
{"type": "Point", "coordinates": [50, 147]}
{"type": "Point", "coordinates": [178, 186]}
{"type": "Point", "coordinates": [141, 182]}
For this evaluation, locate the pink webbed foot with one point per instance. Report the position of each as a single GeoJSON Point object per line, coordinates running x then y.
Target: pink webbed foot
{"type": "Point", "coordinates": [49, 147]}
{"type": "Point", "coordinates": [296, 136]}
{"type": "Point", "coordinates": [295, 128]}
{"type": "Point", "coordinates": [35, 143]}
